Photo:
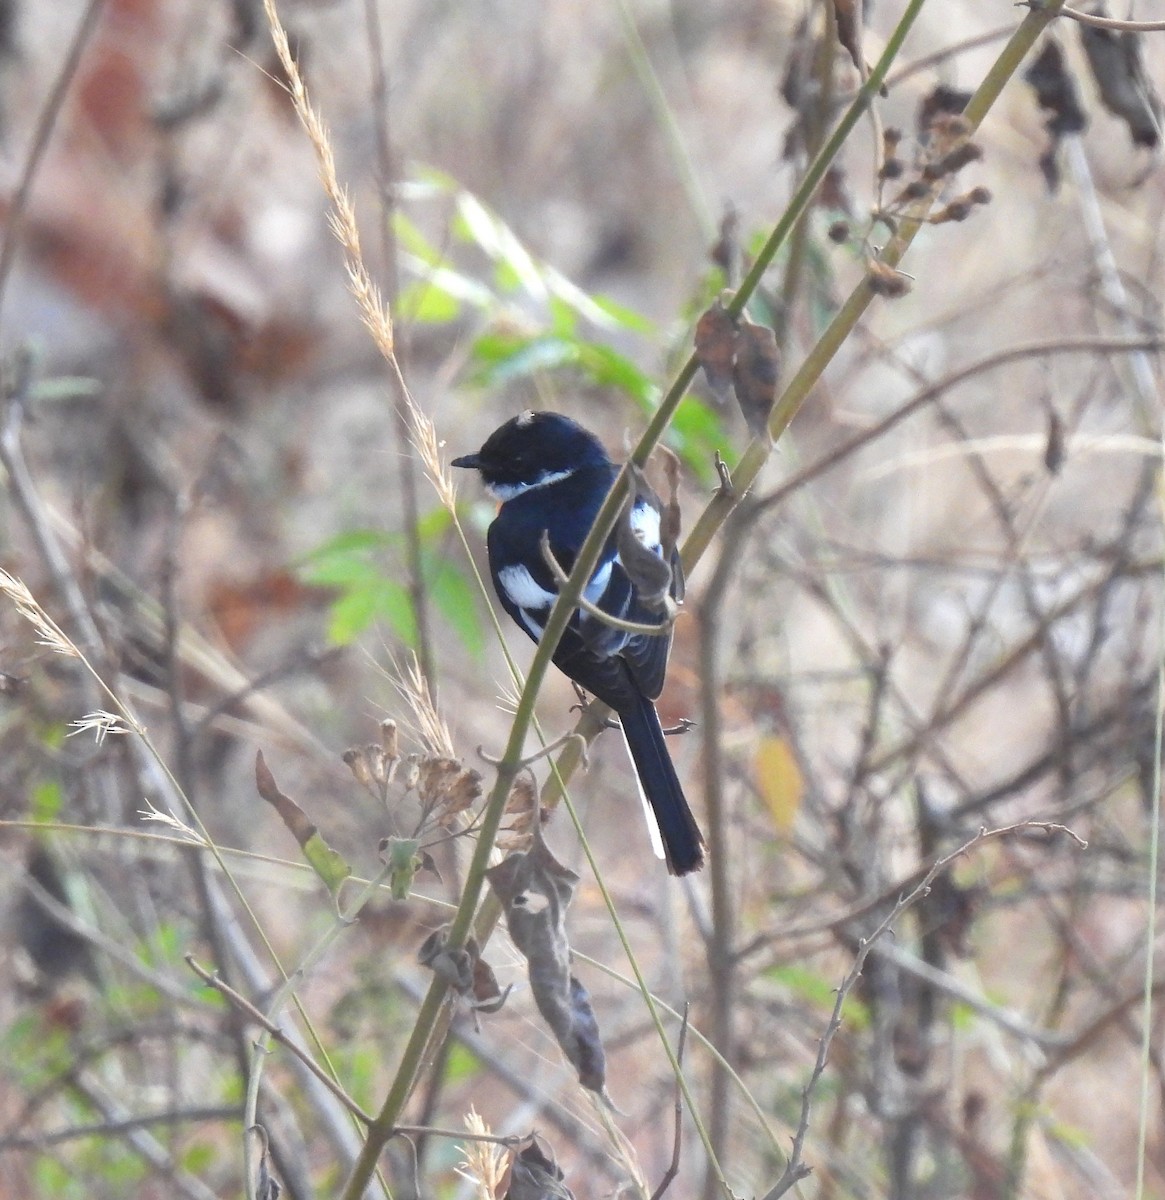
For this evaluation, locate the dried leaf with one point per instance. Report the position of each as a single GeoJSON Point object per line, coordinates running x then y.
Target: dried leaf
{"type": "Point", "coordinates": [884, 280]}
{"type": "Point", "coordinates": [940, 102]}
{"type": "Point", "coordinates": [779, 779]}
{"type": "Point", "coordinates": [536, 1176]}
{"type": "Point", "coordinates": [849, 29]}
{"type": "Point", "coordinates": [725, 251]}
{"type": "Point", "coordinates": [267, 1187]}
{"type": "Point", "coordinates": [754, 376]}
{"type": "Point", "coordinates": [488, 996]}
{"type": "Point", "coordinates": [327, 863]}
{"type": "Point", "coordinates": [716, 349]}
{"type": "Point", "coordinates": [833, 192]}
{"type": "Point", "coordinates": [1056, 91]}
{"type": "Point", "coordinates": [648, 570]}
{"type": "Point", "coordinates": [1054, 451]}
{"type": "Point", "coordinates": [434, 777]}
{"type": "Point", "coordinates": [455, 967]}
{"type": "Point", "coordinates": [463, 790]}
{"type": "Point", "coordinates": [669, 511]}
{"type": "Point", "coordinates": [535, 891]}
{"type": "Point", "coordinates": [1125, 89]}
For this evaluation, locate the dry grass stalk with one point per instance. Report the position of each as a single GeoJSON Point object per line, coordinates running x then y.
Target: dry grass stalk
{"type": "Point", "coordinates": [374, 312]}
{"type": "Point", "coordinates": [48, 631]}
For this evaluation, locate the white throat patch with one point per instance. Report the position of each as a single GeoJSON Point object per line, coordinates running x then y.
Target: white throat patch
{"type": "Point", "coordinates": [507, 491]}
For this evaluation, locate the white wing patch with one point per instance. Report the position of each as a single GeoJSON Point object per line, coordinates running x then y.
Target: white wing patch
{"type": "Point", "coordinates": [519, 586]}
{"type": "Point", "coordinates": [598, 583]}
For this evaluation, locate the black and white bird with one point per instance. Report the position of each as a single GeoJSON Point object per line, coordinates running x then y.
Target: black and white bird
{"type": "Point", "coordinates": [552, 477]}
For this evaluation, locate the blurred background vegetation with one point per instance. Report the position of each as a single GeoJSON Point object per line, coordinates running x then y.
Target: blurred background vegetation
{"type": "Point", "coordinates": [937, 612]}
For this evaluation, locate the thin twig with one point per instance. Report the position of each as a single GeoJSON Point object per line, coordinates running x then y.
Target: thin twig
{"type": "Point", "coordinates": [243, 1005]}
{"type": "Point", "coordinates": [1087, 18]}
{"type": "Point", "coordinates": [795, 1169]}
{"type": "Point", "coordinates": [677, 1141]}
{"type": "Point", "coordinates": [111, 1129]}
{"type": "Point", "coordinates": [663, 629]}
{"type": "Point", "coordinates": [41, 138]}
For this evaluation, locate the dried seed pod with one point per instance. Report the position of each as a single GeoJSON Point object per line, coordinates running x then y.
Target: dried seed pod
{"type": "Point", "coordinates": [356, 762]}
{"type": "Point", "coordinates": [435, 774]}
{"type": "Point", "coordinates": [884, 280]}
{"type": "Point", "coordinates": [460, 794]}
{"type": "Point", "coordinates": [953, 161]}
{"type": "Point", "coordinates": [390, 738]}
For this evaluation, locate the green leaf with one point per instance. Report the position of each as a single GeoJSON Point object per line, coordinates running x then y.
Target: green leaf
{"type": "Point", "coordinates": [351, 614]}
{"type": "Point", "coordinates": [403, 861]}
{"type": "Point", "coordinates": [806, 984]}
{"type": "Point", "coordinates": [434, 524]}
{"type": "Point", "coordinates": [395, 605]}
{"type": "Point", "coordinates": [426, 303]}
{"type": "Point", "coordinates": [409, 236]}
{"type": "Point", "coordinates": [345, 560]}
{"type": "Point", "coordinates": [625, 317]}
{"type": "Point", "coordinates": [563, 317]}
{"type": "Point", "coordinates": [456, 600]}
{"type": "Point", "coordinates": [46, 801]}
{"type": "Point", "coordinates": [696, 434]}
{"type": "Point", "coordinates": [198, 1158]}
{"type": "Point", "coordinates": [327, 863]}
{"type": "Point", "coordinates": [461, 1064]}
{"type": "Point", "coordinates": [609, 368]}
{"type": "Point", "coordinates": [538, 354]}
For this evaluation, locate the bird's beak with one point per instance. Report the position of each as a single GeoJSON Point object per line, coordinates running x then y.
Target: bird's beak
{"type": "Point", "coordinates": [467, 460]}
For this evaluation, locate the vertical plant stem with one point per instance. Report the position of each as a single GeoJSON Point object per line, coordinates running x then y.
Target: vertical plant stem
{"type": "Point", "coordinates": [722, 958]}
{"type": "Point", "coordinates": [401, 423]}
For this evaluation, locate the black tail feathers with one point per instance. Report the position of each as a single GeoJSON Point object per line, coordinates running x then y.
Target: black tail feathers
{"type": "Point", "coordinates": [683, 843]}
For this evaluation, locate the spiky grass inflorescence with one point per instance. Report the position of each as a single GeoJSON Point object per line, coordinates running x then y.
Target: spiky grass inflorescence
{"type": "Point", "coordinates": [49, 633]}
{"type": "Point", "coordinates": [374, 312]}
{"type": "Point", "coordinates": [485, 1162]}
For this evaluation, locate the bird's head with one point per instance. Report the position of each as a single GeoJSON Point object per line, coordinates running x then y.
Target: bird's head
{"type": "Point", "coordinates": [532, 450]}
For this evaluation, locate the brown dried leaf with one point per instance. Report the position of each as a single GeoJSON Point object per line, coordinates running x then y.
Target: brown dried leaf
{"type": "Point", "coordinates": [716, 348]}
{"type": "Point", "coordinates": [535, 891]}
{"type": "Point", "coordinates": [455, 967]}
{"type": "Point", "coordinates": [326, 862]}
{"type": "Point", "coordinates": [940, 102]}
{"type": "Point", "coordinates": [536, 1176]}
{"type": "Point", "coordinates": [1125, 90]}
{"type": "Point", "coordinates": [885, 281]}
{"type": "Point", "coordinates": [669, 513]}
{"type": "Point", "coordinates": [725, 251]}
{"type": "Point", "coordinates": [754, 376]}
{"type": "Point", "coordinates": [1056, 90]}
{"type": "Point", "coordinates": [463, 790]}
{"type": "Point", "coordinates": [488, 996]}
{"type": "Point", "coordinates": [1054, 449]}
{"type": "Point", "coordinates": [849, 29]}
{"type": "Point", "coordinates": [289, 812]}
{"type": "Point", "coordinates": [833, 192]}
{"type": "Point", "coordinates": [435, 775]}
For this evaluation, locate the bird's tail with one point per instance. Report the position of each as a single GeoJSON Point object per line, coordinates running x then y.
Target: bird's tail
{"type": "Point", "coordinates": [683, 844]}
